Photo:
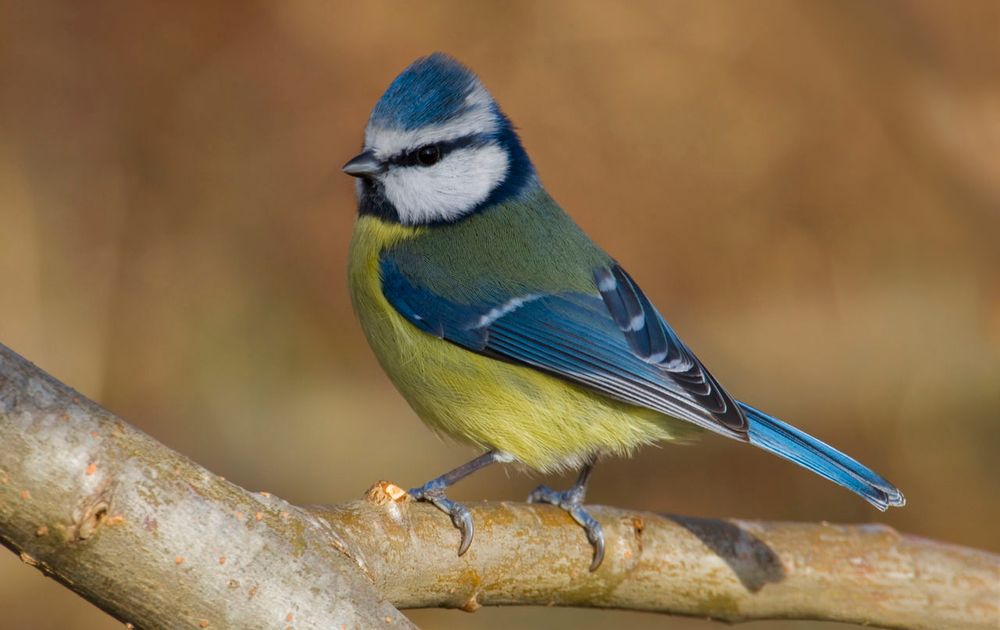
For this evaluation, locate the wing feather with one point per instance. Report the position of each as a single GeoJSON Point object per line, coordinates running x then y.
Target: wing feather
{"type": "Point", "coordinates": [612, 341]}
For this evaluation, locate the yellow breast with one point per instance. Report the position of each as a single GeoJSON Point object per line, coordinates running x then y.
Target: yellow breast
{"type": "Point", "coordinates": [544, 422]}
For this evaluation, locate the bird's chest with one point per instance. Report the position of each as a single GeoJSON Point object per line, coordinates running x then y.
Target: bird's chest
{"type": "Point", "coordinates": [447, 385]}
{"type": "Point", "coordinates": [414, 360]}
{"type": "Point", "coordinates": [382, 325]}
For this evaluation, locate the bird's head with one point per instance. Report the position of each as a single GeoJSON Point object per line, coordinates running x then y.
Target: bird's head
{"type": "Point", "coordinates": [437, 148]}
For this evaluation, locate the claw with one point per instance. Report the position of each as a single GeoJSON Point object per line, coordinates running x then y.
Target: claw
{"type": "Point", "coordinates": [433, 491]}
{"type": "Point", "coordinates": [595, 535]}
{"type": "Point", "coordinates": [598, 551]}
{"type": "Point", "coordinates": [571, 501]}
{"type": "Point", "coordinates": [461, 518]}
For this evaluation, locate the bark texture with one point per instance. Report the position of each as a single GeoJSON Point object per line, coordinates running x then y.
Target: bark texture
{"type": "Point", "coordinates": [729, 570]}
{"type": "Point", "coordinates": [158, 541]}
{"type": "Point", "coordinates": [151, 537]}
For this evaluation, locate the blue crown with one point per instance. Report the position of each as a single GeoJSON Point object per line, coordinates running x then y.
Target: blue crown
{"type": "Point", "coordinates": [432, 90]}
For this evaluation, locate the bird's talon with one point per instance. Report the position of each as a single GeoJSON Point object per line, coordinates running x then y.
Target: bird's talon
{"type": "Point", "coordinates": [598, 557]}
{"type": "Point", "coordinates": [571, 501]}
{"type": "Point", "coordinates": [463, 522]}
{"type": "Point", "coordinates": [461, 518]}
{"type": "Point", "coordinates": [423, 493]}
{"type": "Point", "coordinates": [543, 494]}
{"type": "Point", "coordinates": [596, 537]}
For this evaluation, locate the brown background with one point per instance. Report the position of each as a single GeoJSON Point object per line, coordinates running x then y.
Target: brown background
{"type": "Point", "coordinates": [810, 191]}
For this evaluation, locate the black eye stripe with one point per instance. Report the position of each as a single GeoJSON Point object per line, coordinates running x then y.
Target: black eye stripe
{"type": "Point", "coordinates": [409, 157]}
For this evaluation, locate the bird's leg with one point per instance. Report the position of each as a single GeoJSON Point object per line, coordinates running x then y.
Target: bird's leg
{"type": "Point", "coordinates": [572, 502]}
{"type": "Point", "coordinates": [433, 491]}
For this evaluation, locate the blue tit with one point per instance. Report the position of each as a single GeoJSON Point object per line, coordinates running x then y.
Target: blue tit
{"type": "Point", "coordinates": [504, 326]}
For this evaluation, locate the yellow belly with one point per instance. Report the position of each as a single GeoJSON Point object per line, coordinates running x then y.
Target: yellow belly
{"type": "Point", "coordinates": [542, 421]}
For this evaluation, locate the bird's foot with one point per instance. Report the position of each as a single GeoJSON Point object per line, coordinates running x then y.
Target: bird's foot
{"type": "Point", "coordinates": [460, 515]}
{"type": "Point", "coordinates": [572, 502]}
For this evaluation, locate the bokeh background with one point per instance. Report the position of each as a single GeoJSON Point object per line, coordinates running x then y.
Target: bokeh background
{"type": "Point", "coordinates": [809, 190]}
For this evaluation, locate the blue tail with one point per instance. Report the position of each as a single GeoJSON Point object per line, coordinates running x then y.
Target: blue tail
{"type": "Point", "coordinates": [786, 441]}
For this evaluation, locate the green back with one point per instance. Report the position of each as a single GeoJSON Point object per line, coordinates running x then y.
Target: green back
{"type": "Point", "coordinates": [525, 245]}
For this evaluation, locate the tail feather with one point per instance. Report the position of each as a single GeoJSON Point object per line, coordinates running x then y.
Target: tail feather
{"type": "Point", "coordinates": [786, 441]}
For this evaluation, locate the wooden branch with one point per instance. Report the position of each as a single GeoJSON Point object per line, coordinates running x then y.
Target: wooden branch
{"type": "Point", "coordinates": [151, 537]}
{"type": "Point", "coordinates": [157, 541]}
{"type": "Point", "coordinates": [729, 570]}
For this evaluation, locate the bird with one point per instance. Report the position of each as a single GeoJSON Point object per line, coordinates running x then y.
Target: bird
{"type": "Point", "coordinates": [506, 327]}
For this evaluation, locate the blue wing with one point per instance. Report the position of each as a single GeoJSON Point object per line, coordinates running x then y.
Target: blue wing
{"type": "Point", "coordinates": [612, 341]}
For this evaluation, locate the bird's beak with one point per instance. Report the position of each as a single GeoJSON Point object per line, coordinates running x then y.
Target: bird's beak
{"type": "Point", "coordinates": [364, 165]}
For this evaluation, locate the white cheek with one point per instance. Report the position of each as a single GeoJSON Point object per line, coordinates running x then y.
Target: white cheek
{"type": "Point", "coordinates": [450, 188]}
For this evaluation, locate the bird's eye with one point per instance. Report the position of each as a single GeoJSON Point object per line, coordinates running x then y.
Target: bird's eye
{"type": "Point", "coordinates": [428, 155]}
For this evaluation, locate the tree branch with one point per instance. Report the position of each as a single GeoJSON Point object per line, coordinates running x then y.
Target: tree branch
{"type": "Point", "coordinates": [729, 570]}
{"type": "Point", "coordinates": [151, 537]}
{"type": "Point", "coordinates": [156, 540]}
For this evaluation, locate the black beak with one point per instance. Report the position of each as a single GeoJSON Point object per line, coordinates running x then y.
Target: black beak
{"type": "Point", "coordinates": [364, 165]}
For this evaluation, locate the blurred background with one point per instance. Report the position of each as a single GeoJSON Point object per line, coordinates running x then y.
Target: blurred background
{"type": "Point", "coordinates": [810, 191]}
